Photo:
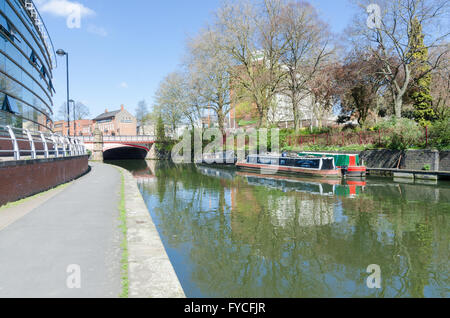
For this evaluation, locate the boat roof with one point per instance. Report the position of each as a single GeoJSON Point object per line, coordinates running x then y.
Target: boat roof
{"type": "Point", "coordinates": [298, 157]}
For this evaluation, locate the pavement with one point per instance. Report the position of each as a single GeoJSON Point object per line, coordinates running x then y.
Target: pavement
{"type": "Point", "coordinates": [67, 245]}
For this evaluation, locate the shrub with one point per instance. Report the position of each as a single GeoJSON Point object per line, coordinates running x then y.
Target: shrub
{"type": "Point", "coordinates": [401, 134]}
{"type": "Point", "coordinates": [440, 134]}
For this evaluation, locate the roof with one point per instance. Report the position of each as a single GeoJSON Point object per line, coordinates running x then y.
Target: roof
{"type": "Point", "coordinates": [107, 115]}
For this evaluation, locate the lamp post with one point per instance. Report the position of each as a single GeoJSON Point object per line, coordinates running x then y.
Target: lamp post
{"type": "Point", "coordinates": [61, 52]}
{"type": "Point", "coordinates": [74, 118]}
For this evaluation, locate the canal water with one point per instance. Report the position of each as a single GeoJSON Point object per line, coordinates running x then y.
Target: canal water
{"type": "Point", "coordinates": [241, 235]}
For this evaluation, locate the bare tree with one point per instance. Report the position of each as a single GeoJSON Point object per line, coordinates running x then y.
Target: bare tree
{"type": "Point", "coordinates": [440, 86]}
{"type": "Point", "coordinates": [308, 47]}
{"type": "Point", "coordinates": [208, 67]}
{"type": "Point", "coordinates": [81, 111]}
{"type": "Point", "coordinates": [251, 36]}
{"type": "Point", "coordinates": [389, 38]}
{"type": "Point", "coordinates": [142, 115]}
{"type": "Point", "coordinates": [176, 101]}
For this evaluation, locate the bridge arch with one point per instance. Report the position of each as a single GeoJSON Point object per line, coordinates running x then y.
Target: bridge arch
{"type": "Point", "coordinates": [125, 152]}
{"type": "Point", "coordinates": [123, 147]}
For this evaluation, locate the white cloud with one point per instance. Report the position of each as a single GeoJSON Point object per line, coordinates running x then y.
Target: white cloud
{"type": "Point", "coordinates": [123, 85]}
{"type": "Point", "coordinates": [73, 11]}
{"type": "Point", "coordinates": [64, 8]}
{"type": "Point", "coordinates": [97, 30]}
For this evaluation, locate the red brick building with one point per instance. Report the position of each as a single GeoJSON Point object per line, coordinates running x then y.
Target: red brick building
{"type": "Point", "coordinates": [83, 127]}
{"type": "Point", "coordinates": [117, 123]}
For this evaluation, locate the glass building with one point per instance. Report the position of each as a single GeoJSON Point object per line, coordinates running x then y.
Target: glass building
{"type": "Point", "coordinates": [27, 59]}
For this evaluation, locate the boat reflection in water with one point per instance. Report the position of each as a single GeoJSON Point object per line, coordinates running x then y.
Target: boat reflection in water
{"type": "Point", "coordinates": [285, 208]}
{"type": "Point", "coordinates": [314, 186]}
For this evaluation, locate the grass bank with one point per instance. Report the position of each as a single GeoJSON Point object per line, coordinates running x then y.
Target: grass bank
{"type": "Point", "coordinates": [124, 245]}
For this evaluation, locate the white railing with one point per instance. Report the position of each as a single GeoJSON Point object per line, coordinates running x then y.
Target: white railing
{"type": "Point", "coordinates": [18, 143]}
{"type": "Point", "coordinates": [120, 138]}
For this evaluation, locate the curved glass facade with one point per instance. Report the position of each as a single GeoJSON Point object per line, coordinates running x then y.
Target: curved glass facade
{"type": "Point", "coordinates": [26, 63]}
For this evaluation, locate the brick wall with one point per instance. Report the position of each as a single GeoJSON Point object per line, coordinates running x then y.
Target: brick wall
{"type": "Point", "coordinates": [444, 161]}
{"type": "Point", "coordinates": [389, 159]}
{"type": "Point", "coordinates": [21, 179]}
{"type": "Point", "coordinates": [410, 159]}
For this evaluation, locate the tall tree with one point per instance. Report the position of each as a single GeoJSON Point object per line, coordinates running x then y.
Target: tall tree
{"type": "Point", "coordinates": [160, 130]}
{"type": "Point", "coordinates": [390, 38]}
{"type": "Point", "coordinates": [359, 82]}
{"type": "Point", "coordinates": [440, 88]}
{"type": "Point", "coordinates": [421, 90]}
{"type": "Point", "coordinates": [323, 92]}
{"type": "Point", "coordinates": [209, 77]}
{"type": "Point", "coordinates": [142, 115]}
{"type": "Point", "coordinates": [308, 47]}
{"type": "Point", "coordinates": [81, 111]}
{"type": "Point", "coordinates": [171, 101]}
{"type": "Point", "coordinates": [251, 37]}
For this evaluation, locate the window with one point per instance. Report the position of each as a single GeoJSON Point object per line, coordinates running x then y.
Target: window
{"type": "Point", "coordinates": [43, 72]}
{"type": "Point", "coordinates": [10, 106]}
{"type": "Point", "coordinates": [8, 34]}
{"type": "Point", "coordinates": [50, 84]}
{"type": "Point", "coordinates": [33, 58]}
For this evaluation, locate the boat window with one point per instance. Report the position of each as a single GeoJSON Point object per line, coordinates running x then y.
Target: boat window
{"type": "Point", "coordinates": [328, 164]}
{"type": "Point", "coordinates": [308, 163]}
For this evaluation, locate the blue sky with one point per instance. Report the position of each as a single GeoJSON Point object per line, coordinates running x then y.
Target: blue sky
{"type": "Point", "coordinates": [123, 49]}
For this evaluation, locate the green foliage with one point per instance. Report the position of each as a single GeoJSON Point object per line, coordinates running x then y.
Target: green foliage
{"type": "Point", "coordinates": [440, 134]}
{"type": "Point", "coordinates": [160, 130]}
{"type": "Point", "coordinates": [161, 141]}
{"type": "Point", "coordinates": [401, 133]}
{"type": "Point", "coordinates": [421, 93]}
{"type": "Point", "coordinates": [243, 123]}
{"type": "Point", "coordinates": [337, 148]}
{"type": "Point", "coordinates": [124, 228]}
{"type": "Point", "coordinates": [423, 111]}
{"type": "Point", "coordinates": [426, 167]}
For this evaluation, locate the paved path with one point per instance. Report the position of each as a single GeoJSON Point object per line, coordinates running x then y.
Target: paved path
{"type": "Point", "coordinates": [78, 226]}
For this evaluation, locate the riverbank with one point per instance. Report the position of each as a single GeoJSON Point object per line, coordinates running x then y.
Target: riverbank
{"type": "Point", "coordinates": [90, 238]}
{"type": "Point", "coordinates": [150, 272]}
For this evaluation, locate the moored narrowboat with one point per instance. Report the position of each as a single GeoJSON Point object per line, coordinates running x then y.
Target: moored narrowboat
{"type": "Point", "coordinates": [303, 166]}
{"type": "Point", "coordinates": [349, 163]}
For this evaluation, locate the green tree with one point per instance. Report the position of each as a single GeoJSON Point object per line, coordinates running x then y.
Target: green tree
{"type": "Point", "coordinates": [420, 94]}
{"type": "Point", "coordinates": [160, 130]}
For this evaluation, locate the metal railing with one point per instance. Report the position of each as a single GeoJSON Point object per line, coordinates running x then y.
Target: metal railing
{"type": "Point", "coordinates": [148, 138]}
{"type": "Point", "coordinates": [19, 143]}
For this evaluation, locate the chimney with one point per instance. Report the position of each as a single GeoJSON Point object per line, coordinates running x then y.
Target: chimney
{"type": "Point", "coordinates": [122, 108]}
{"type": "Point", "coordinates": [106, 110]}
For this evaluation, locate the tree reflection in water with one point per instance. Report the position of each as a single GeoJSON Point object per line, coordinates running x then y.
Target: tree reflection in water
{"type": "Point", "coordinates": [232, 237]}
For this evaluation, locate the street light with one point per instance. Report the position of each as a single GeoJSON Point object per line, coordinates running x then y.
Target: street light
{"type": "Point", "coordinates": [61, 52]}
{"type": "Point", "coordinates": [74, 118]}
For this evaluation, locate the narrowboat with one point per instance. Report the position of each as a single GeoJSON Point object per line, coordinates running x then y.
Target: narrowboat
{"type": "Point", "coordinates": [348, 163]}
{"type": "Point", "coordinates": [301, 166]}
